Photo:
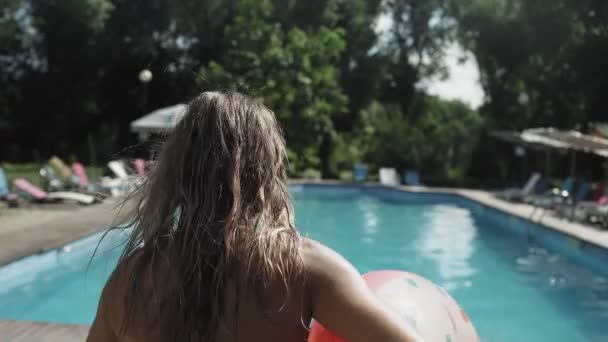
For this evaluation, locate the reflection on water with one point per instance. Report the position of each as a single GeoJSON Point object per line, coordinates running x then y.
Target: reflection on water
{"type": "Point", "coordinates": [370, 216]}
{"type": "Point", "coordinates": [448, 239]}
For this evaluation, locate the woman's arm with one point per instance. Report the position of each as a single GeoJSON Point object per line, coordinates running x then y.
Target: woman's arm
{"type": "Point", "coordinates": [342, 302]}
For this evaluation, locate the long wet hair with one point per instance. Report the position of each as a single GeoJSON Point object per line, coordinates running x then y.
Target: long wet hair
{"type": "Point", "coordinates": [215, 208]}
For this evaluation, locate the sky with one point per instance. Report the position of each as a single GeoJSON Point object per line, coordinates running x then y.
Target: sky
{"type": "Point", "coordinates": [463, 80]}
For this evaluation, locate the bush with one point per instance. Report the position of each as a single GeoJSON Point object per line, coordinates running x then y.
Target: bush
{"type": "Point", "coordinates": [311, 174]}
{"type": "Point", "coordinates": [438, 140]}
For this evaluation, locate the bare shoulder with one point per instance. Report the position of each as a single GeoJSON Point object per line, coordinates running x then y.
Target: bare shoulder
{"type": "Point", "coordinates": [317, 256]}
{"type": "Point", "coordinates": [342, 302]}
{"type": "Point", "coordinates": [122, 273]}
{"type": "Point", "coordinates": [115, 291]}
{"type": "Point", "coordinates": [110, 311]}
{"type": "Point", "coordinates": [323, 264]}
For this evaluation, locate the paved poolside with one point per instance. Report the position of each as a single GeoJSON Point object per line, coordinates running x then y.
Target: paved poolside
{"type": "Point", "coordinates": [583, 232]}
{"type": "Point", "coordinates": [30, 230]}
{"type": "Point", "coordinates": [20, 331]}
{"type": "Point", "coordinates": [37, 230]}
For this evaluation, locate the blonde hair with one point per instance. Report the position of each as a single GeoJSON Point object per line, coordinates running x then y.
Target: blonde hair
{"type": "Point", "coordinates": [214, 208]}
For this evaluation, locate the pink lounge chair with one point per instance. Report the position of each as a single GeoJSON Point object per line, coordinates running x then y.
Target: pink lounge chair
{"type": "Point", "coordinates": [84, 183]}
{"type": "Point", "coordinates": [42, 196]}
{"type": "Point", "coordinates": [140, 167]}
{"type": "Point", "coordinates": [81, 173]}
{"type": "Point", "coordinates": [5, 193]}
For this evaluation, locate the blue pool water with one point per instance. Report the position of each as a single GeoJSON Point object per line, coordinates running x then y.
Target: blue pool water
{"type": "Point", "coordinates": [512, 288]}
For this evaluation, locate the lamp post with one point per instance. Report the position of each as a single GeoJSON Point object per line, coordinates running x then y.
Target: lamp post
{"type": "Point", "coordinates": [145, 76]}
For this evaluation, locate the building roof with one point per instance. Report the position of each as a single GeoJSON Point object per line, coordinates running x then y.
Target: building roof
{"type": "Point", "coordinates": [548, 137]}
{"type": "Point", "coordinates": [160, 120]}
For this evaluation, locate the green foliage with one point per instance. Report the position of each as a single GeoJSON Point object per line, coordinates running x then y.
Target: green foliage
{"type": "Point", "coordinates": [9, 24]}
{"type": "Point", "coordinates": [31, 172]}
{"type": "Point", "coordinates": [540, 61]}
{"type": "Point", "coordinates": [311, 174]}
{"type": "Point", "coordinates": [293, 71]}
{"type": "Point", "coordinates": [27, 171]}
{"type": "Point", "coordinates": [92, 13]}
{"type": "Point", "coordinates": [343, 92]}
{"type": "Point", "coordinates": [438, 141]}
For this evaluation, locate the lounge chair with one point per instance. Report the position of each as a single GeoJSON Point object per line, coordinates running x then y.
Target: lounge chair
{"type": "Point", "coordinates": [568, 207]}
{"type": "Point", "coordinates": [412, 177]}
{"type": "Point", "coordinates": [563, 199]}
{"type": "Point", "coordinates": [588, 211]}
{"type": "Point", "coordinates": [40, 195]}
{"type": "Point", "coordinates": [592, 211]}
{"type": "Point", "coordinates": [596, 214]}
{"type": "Point", "coordinates": [360, 172]}
{"type": "Point", "coordinates": [140, 167]}
{"type": "Point", "coordinates": [84, 183]}
{"type": "Point", "coordinates": [48, 174]}
{"type": "Point", "coordinates": [599, 191]}
{"type": "Point", "coordinates": [5, 194]}
{"type": "Point", "coordinates": [64, 171]}
{"type": "Point", "coordinates": [388, 176]}
{"type": "Point", "coordinates": [119, 169]}
{"type": "Point", "coordinates": [81, 173]}
{"type": "Point", "coordinates": [515, 194]}
{"type": "Point", "coordinates": [554, 196]}
{"type": "Point", "coordinates": [122, 183]}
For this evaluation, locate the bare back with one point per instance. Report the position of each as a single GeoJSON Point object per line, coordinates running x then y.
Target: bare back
{"type": "Point", "coordinates": [245, 319]}
{"type": "Point", "coordinates": [334, 294]}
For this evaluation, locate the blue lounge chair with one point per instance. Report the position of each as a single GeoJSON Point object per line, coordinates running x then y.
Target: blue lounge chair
{"type": "Point", "coordinates": [360, 172]}
{"type": "Point", "coordinates": [52, 181]}
{"type": "Point", "coordinates": [564, 196]}
{"type": "Point", "coordinates": [554, 196]}
{"type": "Point", "coordinates": [412, 177]}
{"type": "Point", "coordinates": [5, 193]}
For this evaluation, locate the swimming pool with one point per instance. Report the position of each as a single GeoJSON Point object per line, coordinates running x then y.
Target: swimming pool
{"type": "Point", "coordinates": [516, 282]}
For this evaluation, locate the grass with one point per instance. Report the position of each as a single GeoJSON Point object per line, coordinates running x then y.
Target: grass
{"type": "Point", "coordinates": [30, 171]}
{"type": "Point", "coordinates": [27, 171]}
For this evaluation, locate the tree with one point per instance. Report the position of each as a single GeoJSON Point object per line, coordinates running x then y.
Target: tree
{"type": "Point", "coordinates": [438, 141]}
{"type": "Point", "coordinates": [292, 70]}
{"type": "Point", "coordinates": [413, 48]}
{"type": "Point", "coordinates": [18, 56]}
{"type": "Point", "coordinates": [49, 35]}
{"type": "Point", "coordinates": [542, 63]}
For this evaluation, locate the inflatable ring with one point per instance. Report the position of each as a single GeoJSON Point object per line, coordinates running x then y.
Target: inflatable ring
{"type": "Point", "coordinates": [425, 307]}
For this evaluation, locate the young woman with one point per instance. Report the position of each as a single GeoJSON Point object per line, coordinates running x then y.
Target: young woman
{"type": "Point", "coordinates": [214, 254]}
